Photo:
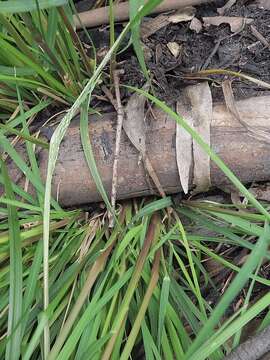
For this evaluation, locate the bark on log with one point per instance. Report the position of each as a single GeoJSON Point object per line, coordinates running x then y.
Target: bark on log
{"type": "Point", "coordinates": [247, 156]}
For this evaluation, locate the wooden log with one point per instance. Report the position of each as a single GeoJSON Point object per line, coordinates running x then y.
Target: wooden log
{"type": "Point", "coordinates": [247, 156]}
{"type": "Point", "coordinates": [100, 16]}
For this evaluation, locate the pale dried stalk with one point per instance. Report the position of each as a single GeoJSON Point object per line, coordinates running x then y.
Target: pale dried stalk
{"type": "Point", "coordinates": [120, 118]}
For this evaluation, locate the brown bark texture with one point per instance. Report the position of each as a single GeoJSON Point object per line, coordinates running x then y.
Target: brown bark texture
{"type": "Point", "coordinates": [247, 156]}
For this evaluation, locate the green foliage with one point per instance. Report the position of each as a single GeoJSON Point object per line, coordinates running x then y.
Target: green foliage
{"type": "Point", "coordinates": [41, 53]}
{"type": "Point", "coordinates": [70, 287]}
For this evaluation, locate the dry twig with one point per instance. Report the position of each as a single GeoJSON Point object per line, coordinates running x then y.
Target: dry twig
{"type": "Point", "coordinates": [120, 118]}
{"type": "Point", "coordinates": [259, 36]}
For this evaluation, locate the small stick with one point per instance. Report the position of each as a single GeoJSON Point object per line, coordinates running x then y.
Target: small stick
{"type": "Point", "coordinates": [109, 95]}
{"type": "Point", "coordinates": [153, 175]}
{"type": "Point", "coordinates": [208, 60]}
{"type": "Point", "coordinates": [100, 16]}
{"type": "Point", "coordinates": [120, 118]}
{"type": "Point", "coordinates": [259, 36]}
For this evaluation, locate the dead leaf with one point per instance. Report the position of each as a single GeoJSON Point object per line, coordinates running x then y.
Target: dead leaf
{"type": "Point", "coordinates": [134, 126]}
{"type": "Point", "coordinates": [151, 26]}
{"type": "Point", "coordinates": [201, 103]}
{"type": "Point", "coordinates": [227, 6]}
{"type": "Point", "coordinates": [174, 48]}
{"type": "Point", "coordinates": [195, 107]}
{"type": "Point", "coordinates": [263, 4]}
{"type": "Point", "coordinates": [236, 23]}
{"type": "Point", "coordinates": [183, 15]}
{"type": "Point", "coordinates": [184, 156]}
{"type": "Point", "coordinates": [133, 123]}
{"type": "Point", "coordinates": [195, 25]}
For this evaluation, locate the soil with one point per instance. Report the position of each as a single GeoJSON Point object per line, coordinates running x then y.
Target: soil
{"type": "Point", "coordinates": [214, 47]}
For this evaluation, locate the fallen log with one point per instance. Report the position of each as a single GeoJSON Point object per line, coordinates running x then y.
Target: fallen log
{"type": "Point", "coordinates": [246, 155]}
{"type": "Point", "coordinates": [100, 16]}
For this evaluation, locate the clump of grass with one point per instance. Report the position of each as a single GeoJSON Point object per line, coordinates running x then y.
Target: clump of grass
{"type": "Point", "coordinates": [71, 287]}
{"type": "Point", "coordinates": [136, 285]}
{"type": "Point", "coordinates": [41, 52]}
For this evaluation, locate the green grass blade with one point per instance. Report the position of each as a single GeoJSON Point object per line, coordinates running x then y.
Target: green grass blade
{"type": "Point", "coordinates": [32, 282]}
{"type": "Point", "coordinates": [28, 114]}
{"type": "Point", "coordinates": [52, 27]}
{"type": "Point", "coordinates": [237, 337]}
{"type": "Point", "coordinates": [15, 292]}
{"type": "Point", "coordinates": [20, 163]}
{"type": "Point", "coordinates": [134, 6]}
{"type": "Point", "coordinates": [215, 341]}
{"type": "Point", "coordinates": [18, 6]}
{"type": "Point", "coordinates": [152, 207]}
{"type": "Point", "coordinates": [150, 347]}
{"type": "Point", "coordinates": [29, 146]}
{"type": "Point", "coordinates": [92, 309]}
{"type": "Point", "coordinates": [143, 308]}
{"type": "Point", "coordinates": [164, 298]}
{"type": "Point", "coordinates": [51, 81]}
{"type": "Point", "coordinates": [16, 203]}
{"type": "Point", "coordinates": [20, 71]}
{"type": "Point", "coordinates": [237, 284]}
{"type": "Point", "coordinates": [20, 192]}
{"type": "Point", "coordinates": [25, 136]}
{"type": "Point", "coordinates": [192, 267]}
{"type": "Point", "coordinates": [89, 156]}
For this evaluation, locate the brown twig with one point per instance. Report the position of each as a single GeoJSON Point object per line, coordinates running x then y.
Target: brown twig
{"type": "Point", "coordinates": [153, 175]}
{"type": "Point", "coordinates": [120, 118]}
{"type": "Point", "coordinates": [212, 54]}
{"type": "Point", "coordinates": [100, 16]}
{"type": "Point", "coordinates": [109, 95]}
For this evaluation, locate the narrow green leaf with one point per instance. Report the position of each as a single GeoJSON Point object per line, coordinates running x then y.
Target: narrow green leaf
{"type": "Point", "coordinates": [216, 340]}
{"type": "Point", "coordinates": [13, 348]}
{"type": "Point", "coordinates": [134, 6]}
{"type": "Point", "coordinates": [16, 6]}
{"type": "Point", "coordinates": [32, 283]}
{"type": "Point", "coordinates": [25, 136]}
{"type": "Point", "coordinates": [19, 71]}
{"type": "Point", "coordinates": [88, 153]}
{"type": "Point", "coordinates": [237, 284]}
{"type": "Point", "coordinates": [164, 298]}
{"type": "Point", "coordinates": [92, 309]}
{"type": "Point", "coordinates": [52, 27]}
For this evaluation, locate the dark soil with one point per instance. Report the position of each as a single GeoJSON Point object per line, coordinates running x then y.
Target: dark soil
{"type": "Point", "coordinates": [214, 47]}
